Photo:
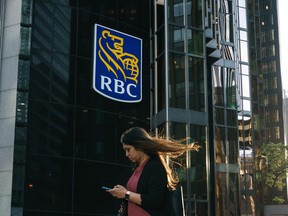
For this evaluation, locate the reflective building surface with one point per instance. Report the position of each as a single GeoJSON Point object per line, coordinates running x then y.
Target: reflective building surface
{"type": "Point", "coordinates": [210, 73]}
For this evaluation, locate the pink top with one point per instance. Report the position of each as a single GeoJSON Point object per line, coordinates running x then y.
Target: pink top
{"type": "Point", "coordinates": [133, 208]}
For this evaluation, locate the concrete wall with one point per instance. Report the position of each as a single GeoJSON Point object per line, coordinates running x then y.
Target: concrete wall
{"type": "Point", "coordinates": [276, 210]}
{"type": "Point", "coordinates": [10, 17]}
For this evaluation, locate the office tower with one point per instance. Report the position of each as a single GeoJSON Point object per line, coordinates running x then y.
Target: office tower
{"type": "Point", "coordinates": [266, 122]}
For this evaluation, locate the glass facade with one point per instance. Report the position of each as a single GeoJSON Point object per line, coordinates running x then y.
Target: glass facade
{"type": "Point", "coordinates": [67, 136]}
{"type": "Point", "coordinates": [266, 107]}
{"type": "Point", "coordinates": [180, 92]}
{"type": "Point", "coordinates": [223, 104]}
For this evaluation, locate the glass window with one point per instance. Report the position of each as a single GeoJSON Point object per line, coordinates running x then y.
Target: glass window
{"type": "Point", "coordinates": [252, 34]}
{"type": "Point", "coordinates": [194, 172]}
{"type": "Point", "coordinates": [22, 107]}
{"type": "Point", "coordinates": [264, 52]}
{"type": "Point", "coordinates": [227, 196]}
{"type": "Point", "coordinates": [245, 86]}
{"type": "Point", "coordinates": [231, 88]}
{"type": "Point", "coordinates": [26, 12]}
{"type": "Point", "coordinates": [176, 38]}
{"type": "Point", "coordinates": [265, 68]}
{"type": "Point", "coordinates": [220, 116]}
{"type": "Point", "coordinates": [242, 18]}
{"type": "Point", "coordinates": [23, 74]}
{"type": "Point", "coordinates": [242, 3]}
{"type": "Point", "coordinates": [244, 51]}
{"type": "Point", "coordinates": [220, 144]}
{"type": "Point", "coordinates": [227, 32]}
{"type": "Point", "coordinates": [198, 170]}
{"type": "Point", "coordinates": [194, 13]}
{"type": "Point", "coordinates": [160, 14]}
{"type": "Point", "coordinates": [245, 69]}
{"type": "Point", "coordinates": [25, 40]}
{"type": "Point", "coordinates": [176, 12]}
{"type": "Point", "coordinates": [218, 85]}
{"type": "Point", "coordinates": [277, 132]}
{"type": "Point", "coordinates": [231, 117]}
{"type": "Point", "coordinates": [274, 83]}
{"type": "Point", "coordinates": [233, 140]}
{"type": "Point", "coordinates": [272, 50]}
{"type": "Point", "coordinates": [195, 41]}
{"type": "Point", "coordinates": [272, 67]}
{"type": "Point", "coordinates": [273, 99]}
{"type": "Point", "coordinates": [246, 105]}
{"type": "Point", "coordinates": [243, 35]}
{"type": "Point", "coordinates": [196, 84]}
{"type": "Point", "coordinates": [177, 81]}
{"type": "Point", "coordinates": [161, 41]}
{"type": "Point", "coordinates": [275, 115]}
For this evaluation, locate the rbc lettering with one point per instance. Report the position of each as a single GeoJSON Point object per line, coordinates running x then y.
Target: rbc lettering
{"type": "Point", "coordinates": [118, 86]}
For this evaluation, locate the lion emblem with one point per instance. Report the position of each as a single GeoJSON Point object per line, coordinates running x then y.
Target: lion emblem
{"type": "Point", "coordinates": [118, 62]}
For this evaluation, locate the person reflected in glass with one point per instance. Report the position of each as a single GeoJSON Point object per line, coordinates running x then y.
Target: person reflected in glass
{"type": "Point", "coordinates": [152, 177]}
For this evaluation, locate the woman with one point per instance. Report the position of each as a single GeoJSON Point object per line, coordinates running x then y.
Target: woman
{"type": "Point", "coordinates": [147, 187]}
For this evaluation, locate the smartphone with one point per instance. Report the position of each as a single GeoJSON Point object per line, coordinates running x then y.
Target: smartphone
{"type": "Point", "coordinates": [106, 188]}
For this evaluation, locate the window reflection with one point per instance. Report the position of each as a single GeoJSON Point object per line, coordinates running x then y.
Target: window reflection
{"type": "Point", "coordinates": [26, 12]}
{"type": "Point", "coordinates": [22, 107]}
{"type": "Point", "coordinates": [194, 13]}
{"type": "Point", "coordinates": [245, 86]}
{"type": "Point", "coordinates": [176, 38]}
{"type": "Point", "coordinates": [243, 35]}
{"type": "Point", "coordinates": [194, 170]}
{"type": "Point", "coordinates": [177, 81]}
{"type": "Point", "coordinates": [25, 40]}
{"type": "Point", "coordinates": [224, 193]}
{"type": "Point", "coordinates": [247, 105]}
{"type": "Point", "coordinates": [23, 74]}
{"type": "Point", "coordinates": [246, 175]}
{"type": "Point", "coordinates": [176, 12]}
{"type": "Point", "coordinates": [242, 18]}
{"type": "Point", "coordinates": [244, 51]}
{"type": "Point", "coordinates": [244, 69]}
{"type": "Point", "coordinates": [224, 80]}
{"type": "Point", "coordinates": [218, 86]}
{"type": "Point", "coordinates": [195, 41]}
{"type": "Point", "coordinates": [232, 138]}
{"type": "Point", "coordinates": [220, 144]}
{"type": "Point", "coordinates": [196, 84]}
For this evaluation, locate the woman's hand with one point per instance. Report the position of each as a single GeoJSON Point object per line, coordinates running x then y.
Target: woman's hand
{"type": "Point", "coordinates": [118, 191]}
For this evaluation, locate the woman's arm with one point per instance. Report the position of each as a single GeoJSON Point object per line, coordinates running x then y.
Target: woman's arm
{"type": "Point", "coordinates": [119, 191]}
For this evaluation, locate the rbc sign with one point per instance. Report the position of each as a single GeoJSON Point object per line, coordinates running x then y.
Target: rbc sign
{"type": "Point", "coordinates": [117, 70]}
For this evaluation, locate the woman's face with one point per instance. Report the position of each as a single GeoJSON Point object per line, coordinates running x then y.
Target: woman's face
{"type": "Point", "coordinates": [133, 154]}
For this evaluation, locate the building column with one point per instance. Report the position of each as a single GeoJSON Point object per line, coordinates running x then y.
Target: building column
{"type": "Point", "coordinates": [10, 16]}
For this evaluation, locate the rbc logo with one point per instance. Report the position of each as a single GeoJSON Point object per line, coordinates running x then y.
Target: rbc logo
{"type": "Point", "coordinates": [117, 70]}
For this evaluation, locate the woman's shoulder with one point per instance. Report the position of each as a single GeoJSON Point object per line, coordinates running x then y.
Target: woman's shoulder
{"type": "Point", "coordinates": [155, 162]}
{"type": "Point", "coordinates": [154, 168]}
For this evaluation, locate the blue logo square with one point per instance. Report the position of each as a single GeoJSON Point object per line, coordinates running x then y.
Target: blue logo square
{"type": "Point", "coordinates": [117, 70]}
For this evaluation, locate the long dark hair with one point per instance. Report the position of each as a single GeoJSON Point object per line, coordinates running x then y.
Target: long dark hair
{"type": "Point", "coordinates": [141, 140]}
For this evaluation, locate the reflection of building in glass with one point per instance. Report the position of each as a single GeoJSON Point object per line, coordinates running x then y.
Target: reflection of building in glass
{"type": "Point", "coordinates": [246, 166]}
{"type": "Point", "coordinates": [247, 200]}
{"type": "Point", "coordinates": [266, 90]}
